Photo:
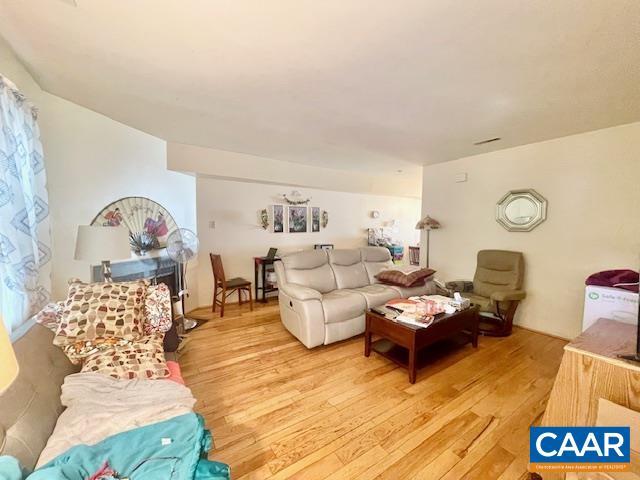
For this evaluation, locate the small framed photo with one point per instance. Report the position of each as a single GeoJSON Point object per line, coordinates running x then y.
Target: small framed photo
{"type": "Point", "coordinates": [277, 218]}
{"type": "Point", "coordinates": [315, 219]}
{"type": "Point", "coordinates": [297, 219]}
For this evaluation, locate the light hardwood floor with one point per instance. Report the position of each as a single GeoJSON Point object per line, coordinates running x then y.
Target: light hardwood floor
{"type": "Point", "coordinates": [280, 411]}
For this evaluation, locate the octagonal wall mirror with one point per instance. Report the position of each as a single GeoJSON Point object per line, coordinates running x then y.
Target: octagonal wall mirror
{"type": "Point", "coordinates": [521, 210]}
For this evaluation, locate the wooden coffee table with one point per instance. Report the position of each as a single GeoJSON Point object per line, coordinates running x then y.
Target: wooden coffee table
{"type": "Point", "coordinates": [402, 343]}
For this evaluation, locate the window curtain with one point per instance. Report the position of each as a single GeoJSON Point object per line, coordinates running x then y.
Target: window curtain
{"type": "Point", "coordinates": [25, 239]}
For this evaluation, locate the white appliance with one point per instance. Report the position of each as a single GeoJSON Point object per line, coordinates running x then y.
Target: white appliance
{"type": "Point", "coordinates": [607, 302]}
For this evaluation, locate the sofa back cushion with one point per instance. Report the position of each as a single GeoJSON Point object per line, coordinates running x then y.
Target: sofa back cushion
{"type": "Point", "coordinates": [310, 269]}
{"type": "Point", "coordinates": [348, 268]}
{"type": "Point", "coordinates": [375, 259]}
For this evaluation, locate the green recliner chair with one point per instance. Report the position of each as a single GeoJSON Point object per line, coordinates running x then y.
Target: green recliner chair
{"type": "Point", "coordinates": [496, 289]}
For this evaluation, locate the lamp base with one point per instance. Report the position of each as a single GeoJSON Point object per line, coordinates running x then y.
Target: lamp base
{"type": "Point", "coordinates": [634, 357]}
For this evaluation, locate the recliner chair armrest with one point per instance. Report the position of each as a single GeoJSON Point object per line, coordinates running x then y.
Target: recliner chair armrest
{"type": "Point", "coordinates": [508, 295]}
{"type": "Point", "coordinates": [300, 292]}
{"type": "Point", "coordinates": [460, 286]}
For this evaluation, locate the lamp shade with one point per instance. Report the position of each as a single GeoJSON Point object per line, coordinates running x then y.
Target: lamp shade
{"type": "Point", "coordinates": [95, 244]}
{"type": "Point", "coordinates": [428, 223]}
{"type": "Point", "coordinates": [8, 362]}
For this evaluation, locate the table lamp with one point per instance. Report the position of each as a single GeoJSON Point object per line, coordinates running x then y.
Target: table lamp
{"type": "Point", "coordinates": [428, 224]}
{"type": "Point", "coordinates": [102, 244]}
{"type": "Point", "coordinates": [8, 362]}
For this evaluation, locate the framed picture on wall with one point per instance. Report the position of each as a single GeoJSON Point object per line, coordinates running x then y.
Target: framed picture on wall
{"type": "Point", "coordinates": [297, 219]}
{"type": "Point", "coordinates": [315, 219]}
{"type": "Point", "coordinates": [277, 216]}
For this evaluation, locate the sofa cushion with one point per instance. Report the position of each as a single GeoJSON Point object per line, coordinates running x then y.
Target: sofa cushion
{"type": "Point", "coordinates": [348, 268]}
{"type": "Point", "coordinates": [142, 359]}
{"type": "Point", "coordinates": [405, 279]}
{"type": "Point", "coordinates": [428, 288]}
{"type": "Point", "coordinates": [310, 269]}
{"type": "Point", "coordinates": [341, 305]}
{"type": "Point", "coordinates": [375, 259]}
{"type": "Point", "coordinates": [377, 294]}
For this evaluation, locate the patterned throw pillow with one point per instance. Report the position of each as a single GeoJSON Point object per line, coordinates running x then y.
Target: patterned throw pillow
{"type": "Point", "coordinates": [142, 359]}
{"type": "Point", "coordinates": [51, 315]}
{"type": "Point", "coordinates": [403, 279]}
{"type": "Point", "coordinates": [77, 352]}
{"type": "Point", "coordinates": [102, 310]}
{"type": "Point", "coordinates": [157, 309]}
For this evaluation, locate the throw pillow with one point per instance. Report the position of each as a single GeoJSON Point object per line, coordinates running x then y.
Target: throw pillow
{"type": "Point", "coordinates": [102, 310]}
{"type": "Point", "coordinates": [50, 315]}
{"type": "Point", "coordinates": [78, 351]}
{"type": "Point", "coordinates": [157, 309]}
{"type": "Point", "coordinates": [143, 359]}
{"type": "Point", "coordinates": [404, 279]}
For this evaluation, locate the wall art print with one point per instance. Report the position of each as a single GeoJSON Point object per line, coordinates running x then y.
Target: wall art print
{"type": "Point", "coordinates": [315, 219]}
{"type": "Point", "coordinates": [141, 216]}
{"type": "Point", "coordinates": [277, 215]}
{"type": "Point", "coordinates": [297, 219]}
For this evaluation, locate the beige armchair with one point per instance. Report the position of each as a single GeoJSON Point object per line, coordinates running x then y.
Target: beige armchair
{"type": "Point", "coordinates": [496, 288]}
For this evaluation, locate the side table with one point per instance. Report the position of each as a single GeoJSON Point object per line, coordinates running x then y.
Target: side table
{"type": "Point", "coordinates": [262, 265]}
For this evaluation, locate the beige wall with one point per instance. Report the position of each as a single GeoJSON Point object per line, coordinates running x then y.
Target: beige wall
{"type": "Point", "coordinates": [234, 207]}
{"type": "Point", "coordinates": [592, 184]}
{"type": "Point", "coordinates": [92, 160]}
{"type": "Point", "coordinates": [239, 166]}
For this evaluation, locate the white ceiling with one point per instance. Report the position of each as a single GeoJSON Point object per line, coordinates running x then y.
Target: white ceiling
{"type": "Point", "coordinates": [339, 83]}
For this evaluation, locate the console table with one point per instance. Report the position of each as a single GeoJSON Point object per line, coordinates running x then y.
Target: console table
{"type": "Point", "coordinates": [261, 265]}
{"type": "Point", "coordinates": [590, 370]}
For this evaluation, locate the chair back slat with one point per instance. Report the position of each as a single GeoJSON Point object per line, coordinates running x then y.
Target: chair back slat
{"type": "Point", "coordinates": [218, 269]}
{"type": "Point", "coordinates": [414, 255]}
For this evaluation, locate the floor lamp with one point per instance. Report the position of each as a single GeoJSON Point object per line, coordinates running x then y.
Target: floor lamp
{"type": "Point", "coordinates": [428, 224]}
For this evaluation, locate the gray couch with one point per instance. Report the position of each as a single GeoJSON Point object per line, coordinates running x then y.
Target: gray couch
{"type": "Point", "coordinates": [324, 294]}
{"type": "Point", "coordinates": [30, 407]}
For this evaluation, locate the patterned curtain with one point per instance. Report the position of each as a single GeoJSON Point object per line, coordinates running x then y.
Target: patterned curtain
{"type": "Point", "coordinates": [25, 239]}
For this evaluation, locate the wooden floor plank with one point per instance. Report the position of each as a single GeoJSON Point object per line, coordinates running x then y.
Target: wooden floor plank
{"type": "Point", "coordinates": [280, 411]}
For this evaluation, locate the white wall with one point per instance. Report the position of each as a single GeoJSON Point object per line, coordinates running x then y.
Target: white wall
{"type": "Point", "coordinates": [237, 236]}
{"type": "Point", "coordinates": [591, 182]}
{"type": "Point", "coordinates": [240, 166]}
{"type": "Point", "coordinates": [92, 160]}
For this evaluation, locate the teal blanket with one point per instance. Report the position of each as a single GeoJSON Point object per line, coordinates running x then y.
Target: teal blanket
{"type": "Point", "coordinates": [175, 449]}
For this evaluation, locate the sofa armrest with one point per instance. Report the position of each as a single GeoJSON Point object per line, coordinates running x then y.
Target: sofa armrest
{"type": "Point", "coordinates": [508, 295]}
{"type": "Point", "coordinates": [461, 286]}
{"type": "Point", "coordinates": [300, 292]}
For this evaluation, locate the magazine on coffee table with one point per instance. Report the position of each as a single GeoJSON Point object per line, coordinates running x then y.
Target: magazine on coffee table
{"type": "Point", "coordinates": [417, 313]}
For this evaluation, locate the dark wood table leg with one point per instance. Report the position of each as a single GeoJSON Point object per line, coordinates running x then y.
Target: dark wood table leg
{"type": "Point", "coordinates": [475, 330]}
{"type": "Point", "coordinates": [264, 283]}
{"type": "Point", "coordinates": [256, 265]}
{"type": "Point", "coordinates": [412, 362]}
{"type": "Point", "coordinates": [367, 340]}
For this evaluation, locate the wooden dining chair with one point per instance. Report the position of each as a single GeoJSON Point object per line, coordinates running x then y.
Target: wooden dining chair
{"type": "Point", "coordinates": [414, 255]}
{"type": "Point", "coordinates": [223, 287]}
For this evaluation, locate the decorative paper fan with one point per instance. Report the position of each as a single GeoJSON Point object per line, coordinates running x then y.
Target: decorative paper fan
{"type": "Point", "coordinates": [142, 216]}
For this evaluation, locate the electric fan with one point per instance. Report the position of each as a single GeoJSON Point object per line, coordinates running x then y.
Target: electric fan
{"type": "Point", "coordinates": [182, 246]}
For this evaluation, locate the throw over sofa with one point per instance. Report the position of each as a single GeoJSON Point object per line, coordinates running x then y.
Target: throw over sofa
{"type": "Point", "coordinates": [324, 294]}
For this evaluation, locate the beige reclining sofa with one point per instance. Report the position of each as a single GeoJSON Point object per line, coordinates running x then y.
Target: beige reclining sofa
{"type": "Point", "coordinates": [324, 294]}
